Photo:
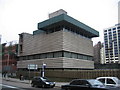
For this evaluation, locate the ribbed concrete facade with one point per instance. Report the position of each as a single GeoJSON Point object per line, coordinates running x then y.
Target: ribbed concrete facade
{"type": "Point", "coordinates": [42, 43]}
{"type": "Point", "coordinates": [76, 43]}
{"type": "Point", "coordinates": [60, 42]}
{"type": "Point", "coordinates": [58, 63]}
{"type": "Point", "coordinates": [57, 41]}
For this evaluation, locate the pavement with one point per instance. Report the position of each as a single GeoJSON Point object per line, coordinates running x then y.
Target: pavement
{"type": "Point", "coordinates": [58, 84]}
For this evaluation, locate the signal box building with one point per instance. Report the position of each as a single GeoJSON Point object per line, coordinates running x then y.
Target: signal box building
{"type": "Point", "coordinates": [61, 42]}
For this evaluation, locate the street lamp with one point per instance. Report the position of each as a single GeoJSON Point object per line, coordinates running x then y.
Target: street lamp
{"type": "Point", "coordinates": [43, 69]}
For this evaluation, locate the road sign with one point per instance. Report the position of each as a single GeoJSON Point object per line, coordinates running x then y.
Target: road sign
{"type": "Point", "coordinates": [32, 66]}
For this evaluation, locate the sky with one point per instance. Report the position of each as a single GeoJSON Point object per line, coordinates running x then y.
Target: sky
{"type": "Point", "coordinates": [18, 16]}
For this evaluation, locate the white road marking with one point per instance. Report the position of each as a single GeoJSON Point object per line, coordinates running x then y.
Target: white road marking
{"type": "Point", "coordinates": [7, 86]}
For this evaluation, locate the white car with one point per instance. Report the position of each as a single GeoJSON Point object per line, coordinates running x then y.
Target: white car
{"type": "Point", "coordinates": [109, 81]}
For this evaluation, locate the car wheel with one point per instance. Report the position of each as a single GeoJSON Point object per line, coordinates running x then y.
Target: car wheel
{"type": "Point", "coordinates": [67, 89]}
{"type": "Point", "coordinates": [32, 84]}
{"type": "Point", "coordinates": [43, 86]}
{"type": "Point", "coordinates": [53, 86]}
{"type": "Point", "coordinates": [35, 86]}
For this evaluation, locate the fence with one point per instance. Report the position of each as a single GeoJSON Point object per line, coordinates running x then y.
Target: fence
{"type": "Point", "coordinates": [71, 74]}
{"type": "Point", "coordinates": [83, 74]}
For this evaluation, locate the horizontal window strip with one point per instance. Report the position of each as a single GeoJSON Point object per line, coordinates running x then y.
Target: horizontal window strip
{"type": "Point", "coordinates": [56, 55]}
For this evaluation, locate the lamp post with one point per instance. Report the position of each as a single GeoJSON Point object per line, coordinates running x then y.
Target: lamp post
{"type": "Point", "coordinates": [43, 69]}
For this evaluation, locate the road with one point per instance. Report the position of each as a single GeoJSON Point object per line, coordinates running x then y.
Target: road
{"type": "Point", "coordinates": [9, 85]}
{"type": "Point", "coordinates": [13, 85]}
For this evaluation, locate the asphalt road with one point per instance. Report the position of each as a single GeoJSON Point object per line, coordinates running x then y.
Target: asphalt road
{"type": "Point", "coordinates": [12, 85]}
{"type": "Point", "coordinates": [8, 85]}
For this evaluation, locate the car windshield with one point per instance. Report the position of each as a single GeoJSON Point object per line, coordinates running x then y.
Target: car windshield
{"type": "Point", "coordinates": [95, 82]}
{"type": "Point", "coordinates": [45, 79]}
{"type": "Point", "coordinates": [115, 78]}
{"type": "Point", "coordinates": [79, 82]}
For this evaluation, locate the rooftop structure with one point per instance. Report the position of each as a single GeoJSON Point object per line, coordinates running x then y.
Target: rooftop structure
{"type": "Point", "coordinates": [57, 13]}
{"type": "Point", "coordinates": [67, 22]}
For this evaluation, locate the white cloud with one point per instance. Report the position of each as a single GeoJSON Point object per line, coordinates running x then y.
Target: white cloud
{"type": "Point", "coordinates": [19, 16]}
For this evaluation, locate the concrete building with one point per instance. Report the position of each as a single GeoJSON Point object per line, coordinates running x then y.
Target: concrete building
{"type": "Point", "coordinates": [60, 42]}
{"type": "Point", "coordinates": [112, 44]}
{"type": "Point", "coordinates": [97, 55]}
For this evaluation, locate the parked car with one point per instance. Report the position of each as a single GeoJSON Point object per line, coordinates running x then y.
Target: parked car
{"type": "Point", "coordinates": [42, 82]}
{"type": "Point", "coordinates": [109, 81]}
{"type": "Point", "coordinates": [84, 84]}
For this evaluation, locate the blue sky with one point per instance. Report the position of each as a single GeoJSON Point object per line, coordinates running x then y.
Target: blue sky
{"type": "Point", "coordinates": [17, 16]}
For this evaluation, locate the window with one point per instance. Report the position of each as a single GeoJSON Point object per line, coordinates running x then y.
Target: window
{"type": "Point", "coordinates": [116, 53]}
{"type": "Point", "coordinates": [110, 81]}
{"type": "Point", "coordinates": [20, 58]}
{"type": "Point", "coordinates": [118, 27]}
{"type": "Point", "coordinates": [36, 56]}
{"type": "Point", "coordinates": [114, 34]}
{"type": "Point", "coordinates": [115, 48]}
{"type": "Point", "coordinates": [105, 37]}
{"type": "Point", "coordinates": [114, 31]}
{"type": "Point", "coordinates": [67, 54]}
{"type": "Point", "coordinates": [106, 42]}
{"type": "Point", "coordinates": [43, 55]}
{"type": "Point", "coordinates": [116, 56]}
{"type": "Point", "coordinates": [30, 57]}
{"type": "Point", "coordinates": [49, 55]}
{"type": "Point", "coordinates": [119, 38]}
{"type": "Point", "coordinates": [80, 56]}
{"type": "Point", "coordinates": [105, 34]}
{"type": "Point", "coordinates": [110, 37]}
{"type": "Point", "coordinates": [105, 30]}
{"type": "Point", "coordinates": [24, 57]}
{"type": "Point", "coordinates": [21, 48]}
{"type": "Point", "coordinates": [109, 29]}
{"type": "Point", "coordinates": [58, 54]}
{"type": "Point", "coordinates": [106, 51]}
{"type": "Point", "coordinates": [110, 33]}
{"type": "Point", "coordinates": [74, 55]}
{"type": "Point", "coordinates": [118, 32]}
{"type": "Point", "coordinates": [90, 58]}
{"type": "Point", "coordinates": [55, 55]}
{"type": "Point", "coordinates": [102, 80]}
{"type": "Point", "coordinates": [85, 57]}
{"type": "Point", "coordinates": [21, 37]}
{"type": "Point", "coordinates": [114, 28]}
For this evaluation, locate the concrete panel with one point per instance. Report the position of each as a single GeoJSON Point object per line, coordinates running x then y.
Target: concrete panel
{"type": "Point", "coordinates": [78, 44]}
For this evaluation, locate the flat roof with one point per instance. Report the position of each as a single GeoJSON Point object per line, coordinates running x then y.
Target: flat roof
{"type": "Point", "coordinates": [69, 22]}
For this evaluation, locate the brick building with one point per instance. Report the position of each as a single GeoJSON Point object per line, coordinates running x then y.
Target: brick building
{"type": "Point", "coordinates": [9, 58]}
